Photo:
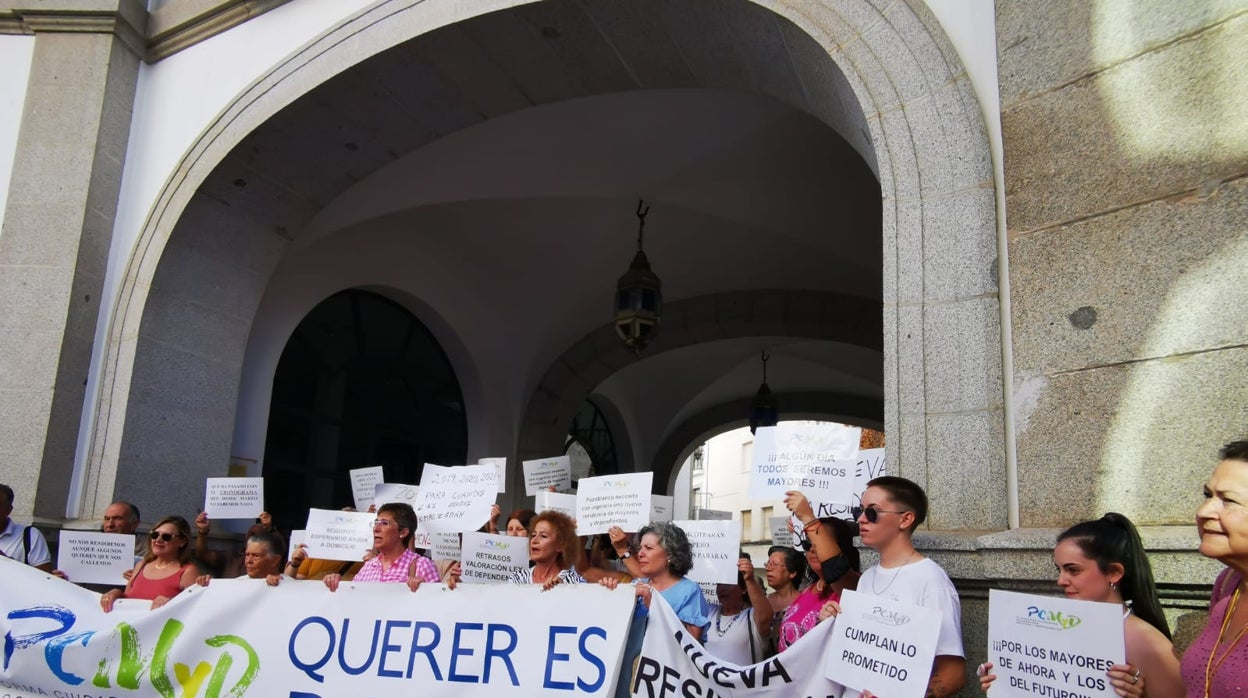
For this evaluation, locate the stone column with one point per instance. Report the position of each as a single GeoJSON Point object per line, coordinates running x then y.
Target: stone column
{"type": "Point", "coordinates": [57, 230]}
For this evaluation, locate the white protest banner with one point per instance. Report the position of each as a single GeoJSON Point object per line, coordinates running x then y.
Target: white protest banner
{"type": "Point", "coordinates": [455, 499]}
{"type": "Point", "coordinates": [542, 473]}
{"type": "Point", "coordinates": [869, 465]}
{"type": "Point", "coordinates": [1050, 646]}
{"type": "Point", "coordinates": [780, 533]}
{"type": "Point", "coordinates": [297, 538]}
{"type": "Point", "coordinates": [804, 456]}
{"type": "Point", "coordinates": [363, 484]}
{"type": "Point", "coordinates": [882, 645]}
{"type": "Point", "coordinates": [662, 507]}
{"type": "Point", "coordinates": [239, 638]}
{"type": "Point", "coordinates": [555, 501]}
{"type": "Point", "coordinates": [339, 535]}
{"type": "Point", "coordinates": [716, 546]}
{"type": "Point", "coordinates": [396, 492]}
{"type": "Point", "coordinates": [490, 559]}
{"type": "Point", "coordinates": [499, 464]}
{"type": "Point", "coordinates": [88, 557]}
{"type": "Point", "coordinates": [234, 497]}
{"type": "Point", "coordinates": [674, 664]}
{"type": "Point", "coordinates": [613, 500]}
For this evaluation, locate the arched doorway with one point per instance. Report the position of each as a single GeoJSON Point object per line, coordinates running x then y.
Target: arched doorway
{"type": "Point", "coordinates": [361, 382]}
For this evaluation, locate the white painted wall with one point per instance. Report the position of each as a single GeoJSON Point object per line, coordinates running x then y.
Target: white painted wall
{"type": "Point", "coordinates": [16, 53]}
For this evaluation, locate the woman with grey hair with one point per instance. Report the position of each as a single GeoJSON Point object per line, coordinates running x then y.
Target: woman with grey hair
{"type": "Point", "coordinates": [664, 557]}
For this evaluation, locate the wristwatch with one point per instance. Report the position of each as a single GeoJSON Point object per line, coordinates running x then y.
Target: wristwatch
{"type": "Point", "coordinates": [625, 555]}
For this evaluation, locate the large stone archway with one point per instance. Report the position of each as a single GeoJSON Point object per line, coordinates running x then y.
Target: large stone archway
{"type": "Point", "coordinates": [899, 99]}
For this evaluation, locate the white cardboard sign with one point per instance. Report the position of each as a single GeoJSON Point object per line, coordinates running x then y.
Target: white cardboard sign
{"type": "Point", "coordinates": [555, 501]}
{"type": "Point", "coordinates": [869, 465]}
{"type": "Point", "coordinates": [234, 497]}
{"type": "Point", "coordinates": [1046, 645]}
{"type": "Point", "coordinates": [88, 557]}
{"type": "Point", "coordinates": [805, 457]}
{"type": "Point", "coordinates": [456, 499]}
{"type": "Point", "coordinates": [780, 533]}
{"type": "Point", "coordinates": [662, 507]}
{"type": "Point", "coordinates": [542, 473]}
{"type": "Point", "coordinates": [440, 546]}
{"type": "Point", "coordinates": [397, 492]}
{"type": "Point", "coordinates": [716, 548]}
{"type": "Point", "coordinates": [501, 464]}
{"type": "Point", "coordinates": [883, 646]}
{"type": "Point", "coordinates": [339, 535]}
{"type": "Point", "coordinates": [613, 500]}
{"type": "Point", "coordinates": [491, 559]}
{"type": "Point", "coordinates": [713, 515]}
{"type": "Point", "coordinates": [363, 483]}
{"type": "Point", "coordinates": [297, 538]}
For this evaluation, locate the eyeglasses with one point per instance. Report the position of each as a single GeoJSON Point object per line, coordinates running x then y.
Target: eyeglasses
{"type": "Point", "coordinates": [164, 537]}
{"type": "Point", "coordinates": [872, 513]}
{"type": "Point", "coordinates": [383, 523]}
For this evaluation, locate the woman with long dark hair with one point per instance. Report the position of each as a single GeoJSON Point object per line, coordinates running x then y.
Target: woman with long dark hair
{"type": "Point", "coordinates": [1104, 560]}
{"type": "Point", "coordinates": [834, 564]}
{"type": "Point", "coordinates": [166, 569]}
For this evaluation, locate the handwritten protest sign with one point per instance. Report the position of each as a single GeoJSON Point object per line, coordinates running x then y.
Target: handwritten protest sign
{"type": "Point", "coordinates": [716, 546]}
{"type": "Point", "coordinates": [869, 465]}
{"type": "Point", "coordinates": [490, 558]}
{"type": "Point", "coordinates": [87, 557]}
{"type": "Point", "coordinates": [339, 535]}
{"type": "Point", "coordinates": [613, 500]}
{"type": "Point", "coordinates": [363, 483]}
{"type": "Point", "coordinates": [234, 497]}
{"type": "Point", "coordinates": [883, 646]}
{"type": "Point", "coordinates": [780, 533]}
{"type": "Point", "coordinates": [662, 507]}
{"type": "Point", "coordinates": [501, 465]}
{"type": "Point", "coordinates": [804, 456]}
{"type": "Point", "coordinates": [541, 474]}
{"type": "Point", "coordinates": [556, 501]}
{"type": "Point", "coordinates": [455, 499]}
{"type": "Point", "coordinates": [396, 492]}
{"type": "Point", "coordinates": [1045, 645]}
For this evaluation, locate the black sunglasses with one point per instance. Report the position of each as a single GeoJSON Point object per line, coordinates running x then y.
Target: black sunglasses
{"type": "Point", "coordinates": [165, 537]}
{"type": "Point", "coordinates": [872, 513]}
{"type": "Point", "coordinates": [806, 544]}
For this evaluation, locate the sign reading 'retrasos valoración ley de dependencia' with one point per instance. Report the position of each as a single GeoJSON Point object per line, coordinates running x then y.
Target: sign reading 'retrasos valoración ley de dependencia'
{"type": "Point", "coordinates": [811, 457]}
{"type": "Point", "coordinates": [1052, 647]}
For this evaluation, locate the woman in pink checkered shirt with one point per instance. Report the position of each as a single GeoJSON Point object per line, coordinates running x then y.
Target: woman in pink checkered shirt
{"type": "Point", "coordinates": [395, 561]}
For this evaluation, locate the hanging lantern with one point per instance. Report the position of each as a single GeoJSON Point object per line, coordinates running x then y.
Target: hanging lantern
{"type": "Point", "coordinates": [764, 410]}
{"type": "Point", "coordinates": [638, 295]}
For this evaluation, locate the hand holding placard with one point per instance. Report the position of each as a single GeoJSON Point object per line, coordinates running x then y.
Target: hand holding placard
{"type": "Point", "coordinates": [234, 497]}
{"type": "Point", "coordinates": [363, 483]}
{"type": "Point", "coordinates": [458, 499]}
{"type": "Point", "coordinates": [542, 473]}
{"type": "Point", "coordinates": [883, 646]}
{"type": "Point", "coordinates": [613, 500]}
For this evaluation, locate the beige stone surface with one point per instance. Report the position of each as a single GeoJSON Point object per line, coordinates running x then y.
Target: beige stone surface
{"type": "Point", "coordinates": [1137, 438]}
{"type": "Point", "coordinates": [1161, 123]}
{"type": "Point", "coordinates": [1166, 278]}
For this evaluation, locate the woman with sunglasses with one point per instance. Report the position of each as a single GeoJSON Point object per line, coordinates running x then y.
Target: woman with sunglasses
{"type": "Point", "coordinates": [832, 559]}
{"type": "Point", "coordinates": [166, 569]}
{"type": "Point", "coordinates": [1104, 560]}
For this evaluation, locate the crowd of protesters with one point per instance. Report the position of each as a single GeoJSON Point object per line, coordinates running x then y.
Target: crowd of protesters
{"type": "Point", "coordinates": [1101, 560]}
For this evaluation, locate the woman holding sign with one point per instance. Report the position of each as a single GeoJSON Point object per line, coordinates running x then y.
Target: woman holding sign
{"type": "Point", "coordinates": [833, 561]}
{"type": "Point", "coordinates": [1104, 560]}
{"type": "Point", "coordinates": [554, 551]}
{"type": "Point", "coordinates": [166, 569]}
{"type": "Point", "coordinates": [1216, 664]}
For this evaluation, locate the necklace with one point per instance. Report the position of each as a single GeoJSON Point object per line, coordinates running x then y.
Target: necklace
{"type": "Point", "coordinates": [880, 592]}
{"type": "Point", "coordinates": [719, 615]}
{"type": "Point", "coordinates": [1211, 667]}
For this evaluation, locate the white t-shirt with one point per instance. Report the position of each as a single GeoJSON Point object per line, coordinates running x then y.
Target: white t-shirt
{"type": "Point", "coordinates": [732, 638]}
{"type": "Point", "coordinates": [12, 546]}
{"type": "Point", "coordinates": [925, 584]}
